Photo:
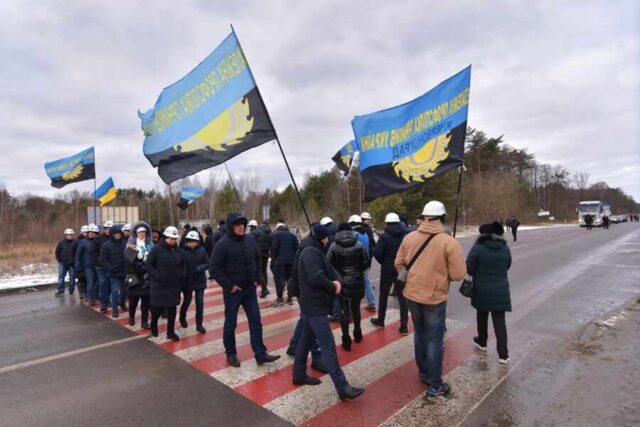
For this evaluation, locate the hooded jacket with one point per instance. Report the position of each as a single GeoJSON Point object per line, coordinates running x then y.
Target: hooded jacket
{"type": "Point", "coordinates": [168, 271]}
{"type": "Point", "coordinates": [264, 238]}
{"type": "Point", "coordinates": [208, 244]}
{"type": "Point", "coordinates": [488, 262]}
{"type": "Point", "coordinates": [350, 259]}
{"type": "Point", "coordinates": [64, 252]}
{"type": "Point", "coordinates": [314, 279]}
{"type": "Point", "coordinates": [197, 263]}
{"type": "Point", "coordinates": [235, 260]}
{"type": "Point", "coordinates": [284, 246]}
{"type": "Point", "coordinates": [135, 258]}
{"type": "Point", "coordinates": [440, 263]}
{"type": "Point", "coordinates": [112, 255]}
{"type": "Point", "coordinates": [387, 247]}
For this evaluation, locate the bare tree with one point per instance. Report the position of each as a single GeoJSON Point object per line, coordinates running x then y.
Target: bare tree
{"type": "Point", "coordinates": [581, 180]}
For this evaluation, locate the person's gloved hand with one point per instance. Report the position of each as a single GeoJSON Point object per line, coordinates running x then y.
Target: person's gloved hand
{"type": "Point", "coordinates": [201, 268]}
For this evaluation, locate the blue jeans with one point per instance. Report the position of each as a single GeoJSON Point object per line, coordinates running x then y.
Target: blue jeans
{"type": "Point", "coordinates": [316, 329]}
{"type": "Point", "coordinates": [297, 333]}
{"type": "Point", "coordinates": [248, 299]}
{"type": "Point", "coordinates": [62, 273]}
{"type": "Point", "coordinates": [335, 308]}
{"type": "Point", "coordinates": [92, 283]}
{"type": "Point", "coordinates": [368, 290]}
{"type": "Point", "coordinates": [103, 287]}
{"type": "Point", "coordinates": [114, 289]}
{"type": "Point", "coordinates": [429, 328]}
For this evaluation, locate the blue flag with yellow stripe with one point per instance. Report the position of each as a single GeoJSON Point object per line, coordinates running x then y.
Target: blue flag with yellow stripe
{"type": "Point", "coordinates": [79, 167]}
{"type": "Point", "coordinates": [209, 116]}
{"type": "Point", "coordinates": [189, 195]}
{"type": "Point", "coordinates": [106, 192]}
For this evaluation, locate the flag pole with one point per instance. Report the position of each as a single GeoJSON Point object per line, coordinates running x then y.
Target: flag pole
{"type": "Point", "coordinates": [95, 209]}
{"type": "Point", "coordinates": [235, 190]}
{"type": "Point", "coordinates": [284, 157]}
{"type": "Point", "coordinates": [455, 218]}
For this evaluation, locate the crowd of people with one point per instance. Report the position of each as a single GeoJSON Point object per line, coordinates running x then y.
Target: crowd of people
{"type": "Point", "coordinates": [328, 272]}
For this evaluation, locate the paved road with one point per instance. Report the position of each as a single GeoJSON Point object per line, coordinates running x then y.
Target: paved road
{"type": "Point", "coordinates": [90, 369]}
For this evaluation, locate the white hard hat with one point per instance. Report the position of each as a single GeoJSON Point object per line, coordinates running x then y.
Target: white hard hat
{"type": "Point", "coordinates": [355, 218]}
{"type": "Point", "coordinates": [193, 235]}
{"type": "Point", "coordinates": [365, 215]}
{"type": "Point", "coordinates": [280, 224]}
{"type": "Point", "coordinates": [434, 208]}
{"type": "Point", "coordinates": [108, 224]}
{"type": "Point", "coordinates": [391, 217]}
{"type": "Point", "coordinates": [171, 232]}
{"type": "Point", "coordinates": [69, 231]}
{"type": "Point", "coordinates": [253, 223]}
{"type": "Point", "coordinates": [84, 228]}
{"type": "Point", "coordinates": [93, 228]}
{"type": "Point", "coordinates": [126, 227]}
{"type": "Point", "coordinates": [326, 220]}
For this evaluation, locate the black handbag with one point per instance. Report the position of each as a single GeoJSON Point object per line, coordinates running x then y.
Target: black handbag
{"type": "Point", "coordinates": [402, 275]}
{"type": "Point", "coordinates": [133, 281]}
{"type": "Point", "coordinates": [466, 287]}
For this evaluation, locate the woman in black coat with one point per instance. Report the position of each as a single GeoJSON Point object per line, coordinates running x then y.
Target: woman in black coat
{"type": "Point", "coordinates": [197, 263]}
{"type": "Point", "coordinates": [167, 269]}
{"type": "Point", "coordinates": [488, 263]}
{"type": "Point", "coordinates": [347, 255]}
{"type": "Point", "coordinates": [137, 278]}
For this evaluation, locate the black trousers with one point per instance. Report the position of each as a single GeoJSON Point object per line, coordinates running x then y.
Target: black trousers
{"type": "Point", "coordinates": [350, 308]}
{"type": "Point", "coordinates": [514, 231]}
{"type": "Point", "coordinates": [386, 283]}
{"type": "Point", "coordinates": [264, 264]}
{"type": "Point", "coordinates": [187, 296]}
{"type": "Point", "coordinates": [171, 318]}
{"type": "Point", "coordinates": [144, 306]}
{"type": "Point", "coordinates": [499, 327]}
{"type": "Point", "coordinates": [283, 275]}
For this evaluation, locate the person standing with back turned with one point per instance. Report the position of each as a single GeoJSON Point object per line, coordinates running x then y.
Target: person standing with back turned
{"type": "Point", "coordinates": [427, 288]}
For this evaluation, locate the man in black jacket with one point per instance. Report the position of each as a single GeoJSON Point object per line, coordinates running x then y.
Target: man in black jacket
{"type": "Point", "coordinates": [264, 240]}
{"type": "Point", "coordinates": [113, 264]}
{"type": "Point", "coordinates": [385, 253]}
{"type": "Point", "coordinates": [235, 265]}
{"type": "Point", "coordinates": [66, 258]}
{"type": "Point", "coordinates": [81, 280]}
{"type": "Point", "coordinates": [283, 249]}
{"type": "Point", "coordinates": [317, 287]}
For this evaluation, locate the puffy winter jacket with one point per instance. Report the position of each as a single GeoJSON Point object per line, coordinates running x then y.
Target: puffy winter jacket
{"type": "Point", "coordinates": [64, 252]}
{"type": "Point", "coordinates": [387, 247]}
{"type": "Point", "coordinates": [168, 271]}
{"type": "Point", "coordinates": [488, 263]}
{"type": "Point", "coordinates": [135, 261]}
{"type": "Point", "coordinates": [86, 255]}
{"type": "Point", "coordinates": [315, 279]}
{"type": "Point", "coordinates": [235, 260]}
{"type": "Point", "coordinates": [76, 244]}
{"type": "Point", "coordinates": [350, 259]}
{"type": "Point", "coordinates": [263, 237]}
{"type": "Point", "coordinates": [284, 246]}
{"type": "Point", "coordinates": [112, 256]}
{"type": "Point", "coordinates": [197, 264]}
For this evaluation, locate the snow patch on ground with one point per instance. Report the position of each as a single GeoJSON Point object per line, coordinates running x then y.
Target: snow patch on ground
{"type": "Point", "coordinates": [31, 275]}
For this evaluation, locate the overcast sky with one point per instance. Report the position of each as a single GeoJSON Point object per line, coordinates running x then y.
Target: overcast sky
{"type": "Point", "coordinates": [559, 78]}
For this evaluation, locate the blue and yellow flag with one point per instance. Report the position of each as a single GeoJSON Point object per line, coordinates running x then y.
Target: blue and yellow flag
{"type": "Point", "coordinates": [209, 116]}
{"type": "Point", "coordinates": [344, 157]}
{"type": "Point", "coordinates": [106, 192]}
{"type": "Point", "coordinates": [188, 196]}
{"type": "Point", "coordinates": [406, 145]}
{"type": "Point", "coordinates": [76, 168]}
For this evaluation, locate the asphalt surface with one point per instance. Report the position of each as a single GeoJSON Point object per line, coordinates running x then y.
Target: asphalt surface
{"type": "Point", "coordinates": [562, 280]}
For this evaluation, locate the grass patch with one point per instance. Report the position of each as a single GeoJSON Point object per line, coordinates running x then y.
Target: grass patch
{"type": "Point", "coordinates": [14, 258]}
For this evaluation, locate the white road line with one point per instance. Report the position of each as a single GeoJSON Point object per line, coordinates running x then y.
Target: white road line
{"type": "Point", "coordinates": [68, 354]}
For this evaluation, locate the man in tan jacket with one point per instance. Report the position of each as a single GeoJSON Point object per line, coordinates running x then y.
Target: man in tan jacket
{"type": "Point", "coordinates": [427, 288]}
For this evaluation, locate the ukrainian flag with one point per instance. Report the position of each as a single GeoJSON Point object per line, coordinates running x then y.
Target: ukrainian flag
{"type": "Point", "coordinates": [106, 192]}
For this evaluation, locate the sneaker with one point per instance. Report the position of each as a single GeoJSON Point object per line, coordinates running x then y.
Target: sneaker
{"type": "Point", "coordinates": [377, 323]}
{"type": "Point", "coordinates": [440, 391]}
{"type": "Point", "coordinates": [504, 361]}
{"type": "Point", "coordinates": [476, 342]}
{"type": "Point", "coordinates": [59, 294]}
{"type": "Point", "coordinates": [115, 314]}
{"type": "Point", "coordinates": [404, 331]}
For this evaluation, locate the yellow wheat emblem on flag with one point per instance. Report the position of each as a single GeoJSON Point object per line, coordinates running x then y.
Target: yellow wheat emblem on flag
{"type": "Point", "coordinates": [422, 164]}
{"type": "Point", "coordinates": [229, 128]}
{"type": "Point", "coordinates": [73, 173]}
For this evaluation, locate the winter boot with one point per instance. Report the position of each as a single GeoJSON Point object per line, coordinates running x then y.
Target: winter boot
{"type": "Point", "coordinates": [357, 335]}
{"type": "Point", "coordinates": [172, 336]}
{"type": "Point", "coordinates": [346, 342]}
{"type": "Point", "coordinates": [201, 329]}
{"type": "Point", "coordinates": [183, 322]}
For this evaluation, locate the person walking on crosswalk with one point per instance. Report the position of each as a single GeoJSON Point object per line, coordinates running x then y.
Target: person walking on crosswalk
{"type": "Point", "coordinates": [317, 286]}
{"type": "Point", "coordinates": [235, 265]}
{"type": "Point", "coordinates": [433, 259]}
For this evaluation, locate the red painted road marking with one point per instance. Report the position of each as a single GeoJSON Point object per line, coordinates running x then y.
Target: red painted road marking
{"type": "Point", "coordinates": [270, 387]}
{"type": "Point", "coordinates": [387, 395]}
{"type": "Point", "coordinates": [218, 361]}
{"type": "Point", "coordinates": [243, 326]}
